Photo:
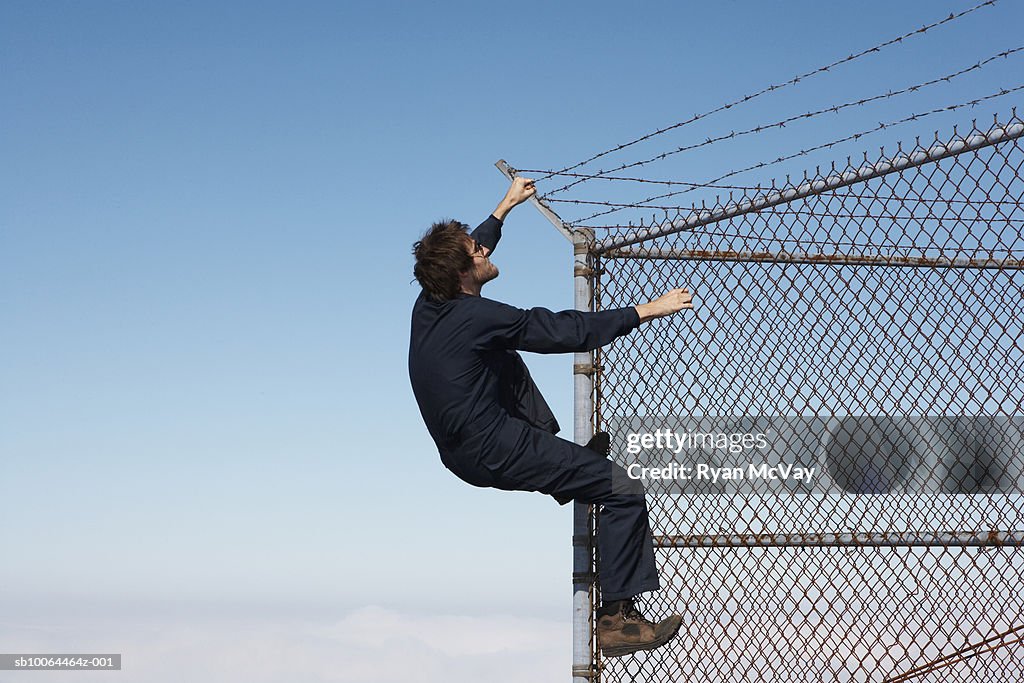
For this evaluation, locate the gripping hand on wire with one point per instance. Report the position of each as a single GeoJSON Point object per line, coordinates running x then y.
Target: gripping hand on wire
{"type": "Point", "coordinates": [521, 190]}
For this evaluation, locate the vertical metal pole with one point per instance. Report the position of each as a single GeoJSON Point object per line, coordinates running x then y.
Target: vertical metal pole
{"type": "Point", "coordinates": [583, 429]}
{"type": "Point", "coordinates": [583, 664]}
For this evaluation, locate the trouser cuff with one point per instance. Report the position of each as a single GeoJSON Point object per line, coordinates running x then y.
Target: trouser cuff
{"type": "Point", "coordinates": [627, 593]}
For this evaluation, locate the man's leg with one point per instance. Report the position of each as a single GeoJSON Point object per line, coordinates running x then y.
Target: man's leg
{"type": "Point", "coordinates": [624, 542]}
{"type": "Point", "coordinates": [600, 443]}
{"type": "Point", "coordinates": [568, 471]}
{"type": "Point", "coordinates": [522, 458]}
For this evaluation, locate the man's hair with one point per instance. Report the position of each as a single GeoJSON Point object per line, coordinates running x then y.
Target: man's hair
{"type": "Point", "coordinates": [440, 257]}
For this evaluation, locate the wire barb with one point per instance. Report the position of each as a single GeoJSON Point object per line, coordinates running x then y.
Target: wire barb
{"type": "Point", "coordinates": [782, 124]}
{"type": "Point", "coordinates": [826, 145]}
{"type": "Point", "coordinates": [778, 86]}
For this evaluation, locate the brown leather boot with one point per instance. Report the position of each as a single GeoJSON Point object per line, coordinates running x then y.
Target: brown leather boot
{"type": "Point", "coordinates": [627, 631]}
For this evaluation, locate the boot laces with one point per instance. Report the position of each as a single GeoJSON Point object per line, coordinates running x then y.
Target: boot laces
{"type": "Point", "coordinates": [630, 612]}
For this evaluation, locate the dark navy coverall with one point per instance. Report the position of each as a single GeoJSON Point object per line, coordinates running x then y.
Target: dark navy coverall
{"type": "Point", "coordinates": [492, 427]}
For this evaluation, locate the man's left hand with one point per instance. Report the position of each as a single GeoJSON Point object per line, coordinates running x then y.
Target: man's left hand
{"type": "Point", "coordinates": [521, 190]}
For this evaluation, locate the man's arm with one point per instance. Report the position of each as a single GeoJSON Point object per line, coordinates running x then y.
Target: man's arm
{"type": "Point", "coordinates": [488, 233]}
{"type": "Point", "coordinates": [499, 325]}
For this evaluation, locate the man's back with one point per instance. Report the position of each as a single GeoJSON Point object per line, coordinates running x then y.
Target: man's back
{"type": "Point", "coordinates": [456, 384]}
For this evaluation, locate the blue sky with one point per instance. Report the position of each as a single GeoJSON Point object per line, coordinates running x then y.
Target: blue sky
{"type": "Point", "coordinates": [206, 212]}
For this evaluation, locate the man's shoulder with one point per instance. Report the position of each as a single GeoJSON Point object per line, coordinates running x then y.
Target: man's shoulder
{"type": "Point", "coordinates": [464, 315]}
{"type": "Point", "coordinates": [461, 300]}
{"type": "Point", "coordinates": [484, 308]}
{"type": "Point", "coordinates": [428, 312]}
{"type": "Point", "coordinates": [424, 303]}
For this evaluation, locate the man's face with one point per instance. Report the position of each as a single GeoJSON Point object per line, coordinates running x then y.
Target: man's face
{"type": "Point", "coordinates": [482, 269]}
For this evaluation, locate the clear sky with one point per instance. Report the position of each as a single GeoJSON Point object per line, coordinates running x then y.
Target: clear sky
{"type": "Point", "coordinates": [206, 213]}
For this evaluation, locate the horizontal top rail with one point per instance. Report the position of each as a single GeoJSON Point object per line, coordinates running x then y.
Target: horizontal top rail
{"type": "Point", "coordinates": [815, 259]}
{"type": "Point", "coordinates": [851, 539]}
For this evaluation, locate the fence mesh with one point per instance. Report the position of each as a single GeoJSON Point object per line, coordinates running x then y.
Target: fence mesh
{"type": "Point", "coordinates": [900, 295]}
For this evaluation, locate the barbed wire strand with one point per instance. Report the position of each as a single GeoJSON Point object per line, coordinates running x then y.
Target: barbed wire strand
{"type": "Point", "coordinates": [835, 109]}
{"type": "Point", "coordinates": [827, 145]}
{"type": "Point", "coordinates": [633, 179]}
{"type": "Point", "coordinates": [746, 188]}
{"type": "Point", "coordinates": [779, 86]}
{"type": "Point", "coordinates": [682, 208]}
{"type": "Point", "coordinates": [750, 188]}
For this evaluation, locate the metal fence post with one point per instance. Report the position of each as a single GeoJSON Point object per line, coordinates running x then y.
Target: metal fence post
{"type": "Point", "coordinates": [583, 654]}
{"type": "Point", "coordinates": [583, 429]}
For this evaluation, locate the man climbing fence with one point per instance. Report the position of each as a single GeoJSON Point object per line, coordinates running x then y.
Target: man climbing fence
{"type": "Point", "coordinates": [493, 428]}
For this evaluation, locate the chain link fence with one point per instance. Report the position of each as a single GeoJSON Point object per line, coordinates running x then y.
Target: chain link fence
{"type": "Point", "coordinates": [887, 290]}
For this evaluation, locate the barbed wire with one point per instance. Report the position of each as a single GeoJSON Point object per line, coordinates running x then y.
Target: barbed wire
{"type": "Point", "coordinates": [746, 188]}
{"type": "Point", "coordinates": [827, 145]}
{"type": "Point", "coordinates": [779, 86]}
{"type": "Point", "coordinates": [681, 207]}
{"type": "Point", "coordinates": [835, 109]}
{"type": "Point", "coordinates": [633, 179]}
{"type": "Point", "coordinates": [771, 211]}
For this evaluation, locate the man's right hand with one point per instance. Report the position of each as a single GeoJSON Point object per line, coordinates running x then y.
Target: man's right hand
{"type": "Point", "coordinates": [673, 301]}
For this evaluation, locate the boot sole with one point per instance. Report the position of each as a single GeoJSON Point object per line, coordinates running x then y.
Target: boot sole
{"type": "Point", "coordinates": [622, 650]}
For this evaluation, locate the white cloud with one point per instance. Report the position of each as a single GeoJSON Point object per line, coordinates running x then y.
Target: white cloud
{"type": "Point", "coordinates": [368, 645]}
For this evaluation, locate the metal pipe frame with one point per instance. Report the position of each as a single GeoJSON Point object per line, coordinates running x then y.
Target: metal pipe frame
{"type": "Point", "coordinates": [909, 539]}
{"type": "Point", "coordinates": [700, 218]}
{"type": "Point", "coordinates": [538, 203]}
{"type": "Point", "coordinates": [814, 259]}
{"type": "Point", "coordinates": [584, 665]}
